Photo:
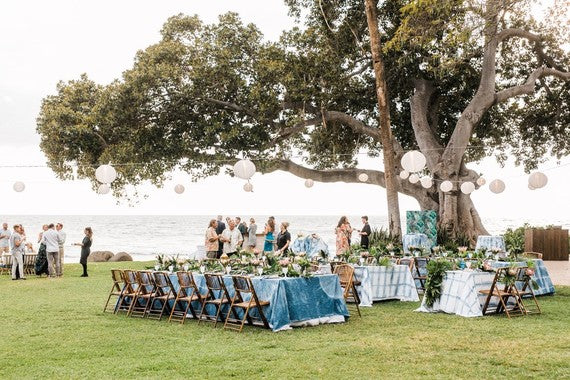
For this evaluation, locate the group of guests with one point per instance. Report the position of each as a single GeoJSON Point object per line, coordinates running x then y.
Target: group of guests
{"type": "Point", "coordinates": [50, 256]}
{"type": "Point", "coordinates": [222, 239]}
{"type": "Point", "coordinates": [344, 232]}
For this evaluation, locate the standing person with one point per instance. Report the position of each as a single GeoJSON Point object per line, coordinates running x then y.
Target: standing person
{"type": "Point", "coordinates": [283, 239]}
{"type": "Point", "coordinates": [231, 237]}
{"type": "Point", "coordinates": [17, 245]}
{"type": "Point", "coordinates": [342, 233]}
{"type": "Point", "coordinates": [242, 227]}
{"type": "Point", "coordinates": [5, 239]}
{"type": "Point", "coordinates": [219, 229]}
{"type": "Point", "coordinates": [85, 249]}
{"type": "Point", "coordinates": [212, 240]}
{"type": "Point", "coordinates": [269, 237]}
{"type": "Point", "coordinates": [251, 237]}
{"type": "Point", "coordinates": [63, 236]}
{"type": "Point", "coordinates": [41, 265]}
{"type": "Point", "coordinates": [51, 239]}
{"type": "Point", "coordinates": [365, 233]}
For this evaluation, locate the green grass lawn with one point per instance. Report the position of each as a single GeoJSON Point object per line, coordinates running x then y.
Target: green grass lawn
{"type": "Point", "coordinates": [56, 328]}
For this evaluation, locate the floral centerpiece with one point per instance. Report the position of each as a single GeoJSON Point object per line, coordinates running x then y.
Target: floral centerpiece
{"type": "Point", "coordinates": [284, 264]}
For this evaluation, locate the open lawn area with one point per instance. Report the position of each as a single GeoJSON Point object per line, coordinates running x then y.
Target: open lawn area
{"type": "Point", "coordinates": [56, 328]}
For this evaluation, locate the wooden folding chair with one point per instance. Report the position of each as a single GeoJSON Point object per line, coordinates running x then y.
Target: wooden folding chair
{"type": "Point", "coordinates": [218, 296]}
{"type": "Point", "coordinates": [345, 274]}
{"type": "Point", "coordinates": [503, 295]}
{"type": "Point", "coordinates": [164, 293]}
{"type": "Point", "coordinates": [420, 264]}
{"type": "Point", "coordinates": [188, 292]}
{"type": "Point", "coordinates": [116, 289]}
{"type": "Point", "coordinates": [144, 294]}
{"type": "Point", "coordinates": [245, 298]}
{"type": "Point", "coordinates": [129, 291]}
{"type": "Point", "coordinates": [524, 290]}
{"type": "Point", "coordinates": [6, 267]}
{"type": "Point", "coordinates": [29, 262]}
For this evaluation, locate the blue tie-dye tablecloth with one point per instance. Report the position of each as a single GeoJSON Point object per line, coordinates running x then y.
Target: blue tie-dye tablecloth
{"type": "Point", "coordinates": [489, 242]}
{"type": "Point", "coordinates": [415, 240]}
{"type": "Point", "coordinates": [294, 301]}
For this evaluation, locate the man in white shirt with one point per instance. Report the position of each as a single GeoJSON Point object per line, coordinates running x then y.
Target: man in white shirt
{"type": "Point", "coordinates": [17, 244]}
{"type": "Point", "coordinates": [63, 236]}
{"type": "Point", "coordinates": [231, 237]}
{"type": "Point", "coordinates": [52, 239]}
{"type": "Point", "coordinates": [5, 239]}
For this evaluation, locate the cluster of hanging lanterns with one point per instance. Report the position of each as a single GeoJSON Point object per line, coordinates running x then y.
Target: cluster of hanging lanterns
{"type": "Point", "coordinates": [105, 174]}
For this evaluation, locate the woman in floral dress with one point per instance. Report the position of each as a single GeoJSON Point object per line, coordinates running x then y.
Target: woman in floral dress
{"type": "Point", "coordinates": [343, 231]}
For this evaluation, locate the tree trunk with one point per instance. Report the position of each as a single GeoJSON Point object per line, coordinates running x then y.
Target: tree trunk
{"type": "Point", "coordinates": [384, 115]}
{"type": "Point", "coordinates": [458, 217]}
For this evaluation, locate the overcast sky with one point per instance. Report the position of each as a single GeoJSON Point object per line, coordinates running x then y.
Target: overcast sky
{"type": "Point", "coordinates": [42, 42]}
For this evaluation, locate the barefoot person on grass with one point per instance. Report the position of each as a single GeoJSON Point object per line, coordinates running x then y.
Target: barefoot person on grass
{"type": "Point", "coordinates": [85, 249]}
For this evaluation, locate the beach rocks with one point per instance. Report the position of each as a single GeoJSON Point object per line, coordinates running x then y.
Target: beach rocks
{"type": "Point", "coordinates": [121, 256]}
{"type": "Point", "coordinates": [100, 256]}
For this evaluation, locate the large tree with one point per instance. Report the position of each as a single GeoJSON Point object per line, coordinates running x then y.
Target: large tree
{"type": "Point", "coordinates": [467, 79]}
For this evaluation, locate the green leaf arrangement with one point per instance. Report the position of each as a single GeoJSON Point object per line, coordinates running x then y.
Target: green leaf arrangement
{"type": "Point", "coordinates": [435, 275]}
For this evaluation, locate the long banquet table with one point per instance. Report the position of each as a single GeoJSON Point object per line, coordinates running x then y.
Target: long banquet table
{"type": "Point", "coordinates": [294, 301]}
{"type": "Point", "coordinates": [460, 290]}
{"type": "Point", "coordinates": [380, 283]}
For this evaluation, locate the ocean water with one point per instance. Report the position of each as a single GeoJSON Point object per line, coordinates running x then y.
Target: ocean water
{"type": "Point", "coordinates": [145, 236]}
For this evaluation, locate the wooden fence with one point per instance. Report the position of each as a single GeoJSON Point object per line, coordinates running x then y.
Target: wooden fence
{"type": "Point", "coordinates": [551, 242]}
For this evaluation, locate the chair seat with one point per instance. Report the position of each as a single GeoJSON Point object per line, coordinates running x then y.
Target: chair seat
{"type": "Point", "coordinates": [188, 298]}
{"type": "Point", "coordinates": [218, 301]}
{"type": "Point", "coordinates": [498, 293]}
{"type": "Point", "coordinates": [245, 304]}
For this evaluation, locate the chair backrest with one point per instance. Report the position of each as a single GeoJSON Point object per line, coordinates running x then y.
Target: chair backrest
{"type": "Point", "coordinates": [145, 281]}
{"type": "Point", "coordinates": [371, 260]}
{"type": "Point", "coordinates": [130, 280]}
{"type": "Point", "coordinates": [242, 284]}
{"type": "Point", "coordinates": [163, 284]}
{"type": "Point", "coordinates": [117, 275]}
{"type": "Point", "coordinates": [345, 273]}
{"type": "Point", "coordinates": [214, 281]}
{"type": "Point", "coordinates": [409, 261]}
{"type": "Point", "coordinates": [421, 262]}
{"type": "Point", "coordinates": [533, 255]}
{"type": "Point", "coordinates": [184, 279]}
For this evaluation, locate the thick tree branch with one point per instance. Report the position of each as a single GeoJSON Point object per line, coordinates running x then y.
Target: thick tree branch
{"type": "Point", "coordinates": [529, 85]}
{"type": "Point", "coordinates": [425, 138]}
{"type": "Point", "coordinates": [506, 34]}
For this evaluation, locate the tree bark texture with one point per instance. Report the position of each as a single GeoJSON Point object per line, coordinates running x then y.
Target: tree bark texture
{"type": "Point", "coordinates": [384, 116]}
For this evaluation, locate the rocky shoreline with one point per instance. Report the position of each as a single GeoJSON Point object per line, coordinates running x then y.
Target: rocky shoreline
{"type": "Point", "coordinates": [108, 256]}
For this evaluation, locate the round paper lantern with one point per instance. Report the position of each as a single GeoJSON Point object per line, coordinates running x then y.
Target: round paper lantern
{"type": "Point", "coordinates": [244, 169]}
{"type": "Point", "coordinates": [19, 186]}
{"type": "Point", "coordinates": [467, 187]}
{"type": "Point", "coordinates": [413, 161]}
{"type": "Point", "coordinates": [363, 177]}
{"type": "Point", "coordinates": [426, 182]}
{"type": "Point", "coordinates": [179, 189]}
{"type": "Point", "coordinates": [497, 186]}
{"type": "Point", "coordinates": [106, 174]}
{"type": "Point", "coordinates": [248, 187]}
{"type": "Point", "coordinates": [414, 178]}
{"type": "Point", "coordinates": [446, 186]}
{"type": "Point", "coordinates": [309, 183]}
{"type": "Point", "coordinates": [103, 189]}
{"type": "Point", "coordinates": [537, 180]}
{"type": "Point", "coordinates": [481, 181]}
{"type": "Point", "coordinates": [404, 174]}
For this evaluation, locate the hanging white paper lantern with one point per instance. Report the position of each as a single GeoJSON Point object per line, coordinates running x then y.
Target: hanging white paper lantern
{"type": "Point", "coordinates": [497, 186]}
{"type": "Point", "coordinates": [248, 187]}
{"type": "Point", "coordinates": [414, 178]}
{"type": "Point", "coordinates": [413, 161]}
{"type": "Point", "coordinates": [244, 169]}
{"type": "Point", "coordinates": [481, 181]}
{"type": "Point", "coordinates": [537, 180]}
{"type": "Point", "coordinates": [19, 186]}
{"type": "Point", "coordinates": [106, 174]}
{"type": "Point", "coordinates": [309, 183]}
{"type": "Point", "coordinates": [467, 187]}
{"type": "Point", "coordinates": [103, 189]}
{"type": "Point", "coordinates": [426, 182]}
{"type": "Point", "coordinates": [179, 189]}
{"type": "Point", "coordinates": [404, 174]}
{"type": "Point", "coordinates": [363, 177]}
{"type": "Point", "coordinates": [446, 186]}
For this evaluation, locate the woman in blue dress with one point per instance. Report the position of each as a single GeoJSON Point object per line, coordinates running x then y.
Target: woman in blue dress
{"type": "Point", "coordinates": [269, 237]}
